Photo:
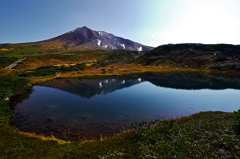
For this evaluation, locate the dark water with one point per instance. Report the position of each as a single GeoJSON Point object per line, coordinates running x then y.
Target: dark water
{"type": "Point", "coordinates": [88, 107]}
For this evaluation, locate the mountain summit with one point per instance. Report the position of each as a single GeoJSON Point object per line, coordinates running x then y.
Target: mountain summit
{"type": "Point", "coordinates": [84, 36]}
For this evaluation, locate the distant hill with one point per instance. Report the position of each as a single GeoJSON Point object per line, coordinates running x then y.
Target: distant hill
{"type": "Point", "coordinates": [201, 56]}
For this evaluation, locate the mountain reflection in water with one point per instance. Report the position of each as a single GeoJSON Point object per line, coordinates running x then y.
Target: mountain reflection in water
{"type": "Point", "coordinates": [193, 80]}
{"type": "Point", "coordinates": [88, 88]}
{"type": "Point", "coordinates": [91, 87]}
{"type": "Point", "coordinates": [79, 108]}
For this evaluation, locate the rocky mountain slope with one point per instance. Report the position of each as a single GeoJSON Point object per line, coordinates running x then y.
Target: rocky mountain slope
{"type": "Point", "coordinates": [98, 40]}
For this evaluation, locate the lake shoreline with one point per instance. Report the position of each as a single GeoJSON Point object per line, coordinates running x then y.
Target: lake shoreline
{"type": "Point", "coordinates": [197, 125]}
{"type": "Point", "coordinates": [125, 140]}
{"type": "Point", "coordinates": [127, 71]}
{"type": "Point", "coordinates": [90, 89]}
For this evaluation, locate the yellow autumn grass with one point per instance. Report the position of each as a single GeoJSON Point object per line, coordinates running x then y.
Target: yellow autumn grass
{"type": "Point", "coordinates": [52, 138]}
{"type": "Point", "coordinates": [89, 64]}
{"type": "Point", "coordinates": [4, 49]}
{"type": "Point", "coordinates": [117, 70]}
{"type": "Point", "coordinates": [87, 141]}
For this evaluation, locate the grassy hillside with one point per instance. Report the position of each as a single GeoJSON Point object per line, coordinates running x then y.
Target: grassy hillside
{"type": "Point", "coordinates": [38, 56]}
{"type": "Point", "coordinates": [211, 134]}
{"type": "Point", "coordinates": [35, 49]}
{"type": "Point", "coordinates": [101, 62]}
{"type": "Point", "coordinates": [171, 56]}
{"type": "Point", "coordinates": [200, 56]}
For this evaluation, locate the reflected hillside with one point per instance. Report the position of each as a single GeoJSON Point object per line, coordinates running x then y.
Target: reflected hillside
{"type": "Point", "coordinates": [20, 98]}
{"type": "Point", "coordinates": [88, 88]}
{"type": "Point", "coordinates": [91, 87]}
{"type": "Point", "coordinates": [193, 80]}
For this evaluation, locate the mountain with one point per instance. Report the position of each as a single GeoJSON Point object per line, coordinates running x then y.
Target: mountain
{"type": "Point", "coordinates": [192, 55]}
{"type": "Point", "coordinates": [86, 37]}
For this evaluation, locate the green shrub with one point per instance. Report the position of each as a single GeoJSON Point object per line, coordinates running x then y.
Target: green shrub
{"type": "Point", "coordinates": [41, 71]}
{"type": "Point", "coordinates": [5, 112]}
{"type": "Point", "coordinates": [52, 70]}
{"type": "Point", "coordinates": [66, 69]}
{"type": "Point", "coordinates": [47, 68]}
{"type": "Point", "coordinates": [220, 58]}
{"type": "Point", "coordinates": [9, 85]}
{"type": "Point", "coordinates": [104, 71]}
{"type": "Point", "coordinates": [73, 68]}
{"type": "Point", "coordinates": [238, 121]}
{"type": "Point", "coordinates": [161, 139]}
{"type": "Point", "coordinates": [6, 61]}
{"type": "Point", "coordinates": [103, 64]}
{"type": "Point", "coordinates": [111, 154]}
{"type": "Point", "coordinates": [81, 66]}
{"type": "Point", "coordinates": [38, 73]}
{"type": "Point", "coordinates": [204, 47]}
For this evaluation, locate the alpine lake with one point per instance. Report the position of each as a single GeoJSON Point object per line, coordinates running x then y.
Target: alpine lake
{"type": "Point", "coordinates": [87, 108]}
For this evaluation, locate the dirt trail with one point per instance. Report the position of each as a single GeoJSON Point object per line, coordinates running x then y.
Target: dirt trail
{"type": "Point", "coordinates": [15, 64]}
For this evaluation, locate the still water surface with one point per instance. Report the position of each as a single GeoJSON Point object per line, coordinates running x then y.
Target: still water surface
{"type": "Point", "coordinates": [89, 107]}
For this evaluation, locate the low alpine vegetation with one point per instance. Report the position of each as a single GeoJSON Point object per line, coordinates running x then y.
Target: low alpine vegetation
{"type": "Point", "coordinates": [10, 85]}
{"type": "Point", "coordinates": [237, 126]}
{"type": "Point", "coordinates": [161, 139]}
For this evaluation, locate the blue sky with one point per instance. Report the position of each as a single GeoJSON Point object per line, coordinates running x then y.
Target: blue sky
{"type": "Point", "coordinates": [150, 22]}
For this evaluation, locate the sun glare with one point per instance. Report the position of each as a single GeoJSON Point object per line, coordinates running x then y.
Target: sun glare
{"type": "Point", "coordinates": [206, 22]}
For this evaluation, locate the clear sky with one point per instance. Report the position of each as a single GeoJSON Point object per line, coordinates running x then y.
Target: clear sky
{"type": "Point", "coordinates": [150, 22]}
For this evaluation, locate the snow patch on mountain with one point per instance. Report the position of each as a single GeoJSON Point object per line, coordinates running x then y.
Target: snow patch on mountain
{"type": "Point", "coordinates": [140, 48]}
{"type": "Point", "coordinates": [123, 45]}
{"type": "Point", "coordinates": [98, 42]}
{"type": "Point", "coordinates": [114, 47]}
{"type": "Point", "coordinates": [105, 46]}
